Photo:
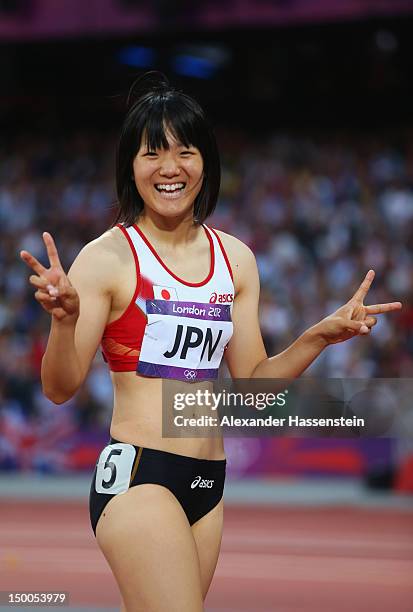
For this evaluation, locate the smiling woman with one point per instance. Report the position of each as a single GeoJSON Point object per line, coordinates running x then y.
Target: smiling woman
{"type": "Point", "coordinates": [167, 297]}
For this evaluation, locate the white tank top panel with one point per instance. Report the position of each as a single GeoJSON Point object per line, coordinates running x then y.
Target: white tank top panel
{"type": "Point", "coordinates": [188, 324]}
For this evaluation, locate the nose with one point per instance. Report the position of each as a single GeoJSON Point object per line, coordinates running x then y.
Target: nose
{"type": "Point", "coordinates": [169, 166]}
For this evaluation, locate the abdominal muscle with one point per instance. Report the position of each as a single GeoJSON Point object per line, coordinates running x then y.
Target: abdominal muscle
{"type": "Point", "coordinates": [137, 417]}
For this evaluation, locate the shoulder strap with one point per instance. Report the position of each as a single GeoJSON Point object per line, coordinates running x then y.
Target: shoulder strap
{"type": "Point", "coordinates": [215, 233]}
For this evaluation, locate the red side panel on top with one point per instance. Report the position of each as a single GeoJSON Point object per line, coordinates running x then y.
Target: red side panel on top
{"type": "Point", "coordinates": [122, 338]}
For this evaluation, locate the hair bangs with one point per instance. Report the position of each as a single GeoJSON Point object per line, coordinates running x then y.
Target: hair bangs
{"type": "Point", "coordinates": [183, 123]}
{"type": "Point", "coordinates": [153, 132]}
{"type": "Point", "coordinates": [170, 118]}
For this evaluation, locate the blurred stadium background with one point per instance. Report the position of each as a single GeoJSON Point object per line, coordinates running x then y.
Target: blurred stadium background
{"type": "Point", "coordinates": [312, 105]}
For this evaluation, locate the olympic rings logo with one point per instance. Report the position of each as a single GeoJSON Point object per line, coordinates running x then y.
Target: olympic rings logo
{"type": "Point", "coordinates": [190, 374]}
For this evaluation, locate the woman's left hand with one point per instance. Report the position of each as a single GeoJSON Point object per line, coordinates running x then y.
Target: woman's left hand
{"type": "Point", "coordinates": [354, 318]}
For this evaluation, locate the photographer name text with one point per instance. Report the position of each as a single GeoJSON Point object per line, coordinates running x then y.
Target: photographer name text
{"type": "Point", "coordinates": [291, 421]}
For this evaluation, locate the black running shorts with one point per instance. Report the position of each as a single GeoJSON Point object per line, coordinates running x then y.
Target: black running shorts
{"type": "Point", "coordinates": [198, 484]}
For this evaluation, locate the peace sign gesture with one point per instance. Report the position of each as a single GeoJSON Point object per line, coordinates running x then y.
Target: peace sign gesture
{"type": "Point", "coordinates": [54, 290]}
{"type": "Point", "coordinates": [354, 318]}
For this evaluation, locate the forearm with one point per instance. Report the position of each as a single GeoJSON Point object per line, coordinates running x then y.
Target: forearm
{"type": "Point", "coordinates": [61, 372]}
{"type": "Point", "coordinates": [292, 362]}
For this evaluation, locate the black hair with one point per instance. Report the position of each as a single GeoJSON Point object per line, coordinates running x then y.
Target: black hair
{"type": "Point", "coordinates": [154, 107]}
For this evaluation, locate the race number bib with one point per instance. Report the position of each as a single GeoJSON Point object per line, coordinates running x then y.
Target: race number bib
{"type": "Point", "coordinates": [114, 468]}
{"type": "Point", "coordinates": [184, 340]}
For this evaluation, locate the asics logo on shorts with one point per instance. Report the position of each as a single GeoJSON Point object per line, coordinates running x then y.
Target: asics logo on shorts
{"type": "Point", "coordinates": [190, 374]}
{"type": "Point", "coordinates": [202, 484]}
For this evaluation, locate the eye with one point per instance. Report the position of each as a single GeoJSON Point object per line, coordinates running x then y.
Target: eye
{"type": "Point", "coordinates": [186, 153]}
{"type": "Point", "coordinates": [150, 154]}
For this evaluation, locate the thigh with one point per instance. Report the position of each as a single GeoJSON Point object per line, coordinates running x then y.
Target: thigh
{"type": "Point", "coordinates": [207, 533]}
{"type": "Point", "coordinates": [147, 541]}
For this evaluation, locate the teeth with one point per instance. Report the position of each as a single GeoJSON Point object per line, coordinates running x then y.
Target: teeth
{"type": "Point", "coordinates": [168, 187]}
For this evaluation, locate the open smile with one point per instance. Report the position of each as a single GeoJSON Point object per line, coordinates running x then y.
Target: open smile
{"type": "Point", "coordinates": [170, 191]}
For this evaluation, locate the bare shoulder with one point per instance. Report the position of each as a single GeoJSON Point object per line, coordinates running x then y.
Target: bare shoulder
{"type": "Point", "coordinates": [240, 256]}
{"type": "Point", "coordinates": [235, 248]}
{"type": "Point", "coordinates": [100, 260]}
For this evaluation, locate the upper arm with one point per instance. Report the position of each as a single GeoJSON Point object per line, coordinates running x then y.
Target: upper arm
{"type": "Point", "coordinates": [92, 275]}
{"type": "Point", "coordinates": [246, 348]}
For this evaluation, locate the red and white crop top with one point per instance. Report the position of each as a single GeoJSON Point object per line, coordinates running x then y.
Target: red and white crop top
{"type": "Point", "coordinates": [172, 328]}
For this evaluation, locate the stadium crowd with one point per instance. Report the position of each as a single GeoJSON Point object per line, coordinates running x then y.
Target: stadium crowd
{"type": "Point", "coordinates": [317, 212]}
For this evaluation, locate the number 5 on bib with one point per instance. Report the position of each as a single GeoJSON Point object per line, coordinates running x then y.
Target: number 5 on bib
{"type": "Point", "coordinates": [114, 468]}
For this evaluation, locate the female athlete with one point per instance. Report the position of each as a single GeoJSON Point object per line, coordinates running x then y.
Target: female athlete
{"type": "Point", "coordinates": [142, 291]}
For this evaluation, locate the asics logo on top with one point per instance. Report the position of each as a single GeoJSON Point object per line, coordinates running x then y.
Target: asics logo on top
{"type": "Point", "coordinates": [202, 484]}
{"type": "Point", "coordinates": [221, 298]}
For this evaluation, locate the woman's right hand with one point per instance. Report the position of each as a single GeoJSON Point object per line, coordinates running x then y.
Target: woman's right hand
{"type": "Point", "coordinates": [53, 289]}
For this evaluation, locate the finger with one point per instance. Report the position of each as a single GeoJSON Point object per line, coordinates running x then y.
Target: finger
{"type": "Point", "coordinates": [63, 282]}
{"type": "Point", "coordinates": [67, 295]}
{"type": "Point", "coordinates": [354, 326]}
{"type": "Point", "coordinates": [380, 308]}
{"type": "Point", "coordinates": [44, 285]}
{"type": "Point", "coordinates": [63, 291]}
{"type": "Point", "coordinates": [364, 287]}
{"type": "Point", "coordinates": [45, 298]}
{"type": "Point", "coordinates": [358, 327]}
{"type": "Point", "coordinates": [59, 313]}
{"type": "Point", "coordinates": [51, 250]}
{"type": "Point", "coordinates": [38, 281]}
{"type": "Point", "coordinates": [370, 322]}
{"type": "Point", "coordinates": [31, 261]}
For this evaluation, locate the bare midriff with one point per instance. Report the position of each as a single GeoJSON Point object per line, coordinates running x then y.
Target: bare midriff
{"type": "Point", "coordinates": [138, 411]}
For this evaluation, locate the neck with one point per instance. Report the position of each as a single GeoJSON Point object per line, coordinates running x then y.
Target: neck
{"type": "Point", "coordinates": [169, 231]}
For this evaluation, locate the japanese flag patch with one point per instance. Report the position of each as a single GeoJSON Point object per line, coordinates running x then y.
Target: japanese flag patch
{"type": "Point", "coordinates": [165, 293]}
